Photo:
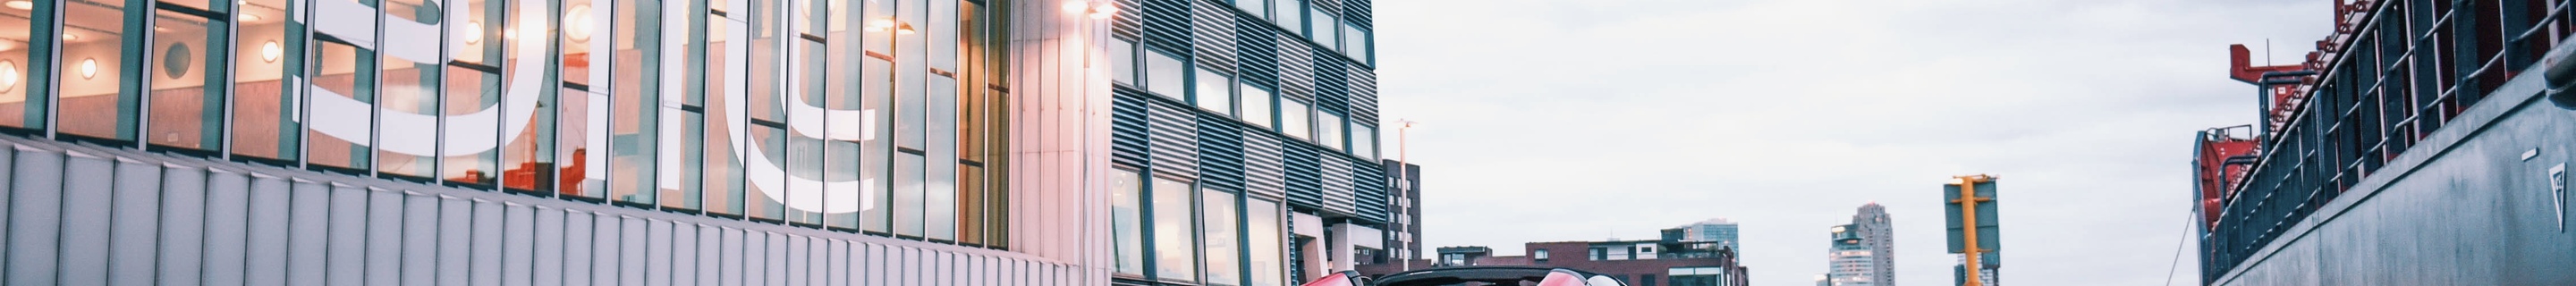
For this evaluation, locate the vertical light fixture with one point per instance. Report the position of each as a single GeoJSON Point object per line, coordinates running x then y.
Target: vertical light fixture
{"type": "Point", "coordinates": [578, 22]}
{"type": "Point", "coordinates": [8, 76]}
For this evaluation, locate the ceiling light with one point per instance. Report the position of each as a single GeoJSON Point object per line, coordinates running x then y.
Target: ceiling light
{"type": "Point", "coordinates": [903, 29]}
{"type": "Point", "coordinates": [8, 76]}
{"type": "Point", "coordinates": [89, 68]}
{"type": "Point", "coordinates": [577, 22]}
{"type": "Point", "coordinates": [473, 33]}
{"type": "Point", "coordinates": [270, 51]}
{"type": "Point", "coordinates": [20, 5]}
{"type": "Point", "coordinates": [67, 37]}
{"type": "Point", "coordinates": [880, 24]}
{"type": "Point", "coordinates": [248, 17]}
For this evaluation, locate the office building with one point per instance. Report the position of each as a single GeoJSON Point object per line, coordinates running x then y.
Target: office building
{"type": "Point", "coordinates": [644, 142]}
{"type": "Point", "coordinates": [1988, 275]}
{"type": "Point", "coordinates": [1717, 230]}
{"type": "Point", "coordinates": [2413, 125]}
{"type": "Point", "coordinates": [1850, 261]}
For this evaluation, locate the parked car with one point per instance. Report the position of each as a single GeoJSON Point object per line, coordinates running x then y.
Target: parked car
{"type": "Point", "coordinates": [1473, 276]}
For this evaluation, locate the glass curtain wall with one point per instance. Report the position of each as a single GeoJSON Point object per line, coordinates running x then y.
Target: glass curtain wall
{"type": "Point", "coordinates": [764, 110]}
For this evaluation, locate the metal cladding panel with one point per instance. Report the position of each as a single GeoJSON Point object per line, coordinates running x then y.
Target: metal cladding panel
{"type": "Point", "coordinates": [1362, 95]}
{"type": "Point", "coordinates": [1264, 173]}
{"type": "Point", "coordinates": [730, 264]}
{"type": "Point", "coordinates": [548, 259]}
{"type": "Point", "coordinates": [1358, 13]}
{"type": "Point", "coordinates": [836, 262]}
{"type": "Point", "coordinates": [1304, 176]}
{"type": "Point", "coordinates": [1338, 196]}
{"type": "Point", "coordinates": [8, 162]}
{"type": "Point", "coordinates": [1214, 35]}
{"type": "Point", "coordinates": [1256, 48]}
{"type": "Point", "coordinates": [486, 256]}
{"type": "Point", "coordinates": [1128, 24]}
{"type": "Point", "coordinates": [1324, 6]}
{"type": "Point", "coordinates": [1296, 68]}
{"type": "Point", "coordinates": [227, 228]}
{"type": "Point", "coordinates": [518, 246]}
{"type": "Point", "coordinates": [1332, 84]}
{"type": "Point", "coordinates": [384, 236]}
{"type": "Point", "coordinates": [629, 239]}
{"type": "Point", "coordinates": [1129, 132]}
{"type": "Point", "coordinates": [1220, 153]}
{"type": "Point", "coordinates": [659, 256]}
{"type": "Point", "coordinates": [346, 253]}
{"type": "Point", "coordinates": [581, 242]}
{"type": "Point", "coordinates": [35, 205]}
{"type": "Point", "coordinates": [308, 233]}
{"type": "Point", "coordinates": [183, 225]}
{"type": "Point", "coordinates": [1167, 25]}
{"type": "Point", "coordinates": [1369, 184]}
{"type": "Point", "coordinates": [603, 248]}
{"type": "Point", "coordinates": [711, 263]}
{"type": "Point", "coordinates": [133, 240]}
{"type": "Point", "coordinates": [85, 217]}
{"type": "Point", "coordinates": [1174, 140]}
{"type": "Point", "coordinates": [455, 241]}
{"type": "Point", "coordinates": [420, 217]}
{"type": "Point", "coordinates": [271, 231]}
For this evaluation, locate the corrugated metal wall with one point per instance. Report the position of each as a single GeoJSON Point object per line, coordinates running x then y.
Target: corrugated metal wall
{"type": "Point", "coordinates": [86, 215]}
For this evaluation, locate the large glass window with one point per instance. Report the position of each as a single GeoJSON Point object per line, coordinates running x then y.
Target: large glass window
{"type": "Point", "coordinates": [1126, 217]}
{"type": "Point", "coordinates": [1293, 118]}
{"type": "Point", "coordinates": [1256, 105]}
{"type": "Point", "coordinates": [1222, 232]}
{"type": "Point", "coordinates": [766, 85]}
{"type": "Point", "coordinates": [876, 86]}
{"type": "Point", "coordinates": [528, 163]}
{"type": "Point", "coordinates": [1122, 61]}
{"type": "Point", "coordinates": [1258, 8]}
{"type": "Point", "coordinates": [1325, 29]}
{"type": "Point", "coordinates": [1264, 240]}
{"type": "Point", "coordinates": [1175, 249]}
{"type": "Point", "coordinates": [1328, 130]}
{"type": "Point", "coordinates": [1215, 92]}
{"type": "Point", "coordinates": [99, 88]}
{"type": "Point", "coordinates": [1363, 140]}
{"type": "Point", "coordinates": [846, 124]}
{"type": "Point", "coordinates": [1163, 75]}
{"type": "Point", "coordinates": [1355, 42]}
{"type": "Point", "coordinates": [187, 90]}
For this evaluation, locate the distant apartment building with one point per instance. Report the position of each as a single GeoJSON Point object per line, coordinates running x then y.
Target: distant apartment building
{"type": "Point", "coordinates": [1638, 262]}
{"type": "Point", "coordinates": [1990, 274]}
{"type": "Point", "coordinates": [1404, 231]}
{"type": "Point", "coordinates": [1717, 230]}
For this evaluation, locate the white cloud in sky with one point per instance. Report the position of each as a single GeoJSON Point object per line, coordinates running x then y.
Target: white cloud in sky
{"type": "Point", "coordinates": [1584, 120]}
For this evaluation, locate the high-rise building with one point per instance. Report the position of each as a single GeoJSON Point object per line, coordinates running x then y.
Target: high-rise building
{"type": "Point", "coordinates": [500, 142]}
{"type": "Point", "coordinates": [1850, 260]}
{"type": "Point", "coordinates": [2401, 109]}
{"type": "Point", "coordinates": [1879, 235]}
{"type": "Point", "coordinates": [1987, 273]}
{"type": "Point", "coordinates": [1717, 230]}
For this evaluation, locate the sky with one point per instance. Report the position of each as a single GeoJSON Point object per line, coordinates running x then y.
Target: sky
{"type": "Point", "coordinates": [1589, 120]}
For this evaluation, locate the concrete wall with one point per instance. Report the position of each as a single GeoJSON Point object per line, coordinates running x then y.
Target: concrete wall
{"type": "Point", "coordinates": [2464, 207]}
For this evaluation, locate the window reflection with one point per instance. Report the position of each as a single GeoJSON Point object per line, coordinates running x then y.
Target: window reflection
{"type": "Point", "coordinates": [474, 86]}
{"type": "Point", "coordinates": [1126, 215]}
{"type": "Point", "coordinates": [1328, 130]}
{"type": "Point", "coordinates": [1163, 75]}
{"type": "Point", "coordinates": [1256, 105]}
{"type": "Point", "coordinates": [1292, 14]}
{"type": "Point", "coordinates": [1122, 61]}
{"type": "Point", "coordinates": [1292, 118]}
{"type": "Point", "coordinates": [1325, 30]}
{"type": "Point", "coordinates": [1224, 257]}
{"type": "Point", "coordinates": [1355, 42]}
{"type": "Point", "coordinates": [1263, 234]}
{"type": "Point", "coordinates": [1214, 92]}
{"type": "Point", "coordinates": [1176, 251]}
{"type": "Point", "coordinates": [1363, 140]}
{"type": "Point", "coordinates": [636, 102]}
{"type": "Point", "coordinates": [410, 89]}
{"type": "Point", "coordinates": [344, 92]}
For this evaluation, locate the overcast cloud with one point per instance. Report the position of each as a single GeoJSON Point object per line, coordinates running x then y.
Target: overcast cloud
{"type": "Point", "coordinates": [1785, 115]}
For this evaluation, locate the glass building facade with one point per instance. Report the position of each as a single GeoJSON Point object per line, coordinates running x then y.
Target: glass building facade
{"type": "Point", "coordinates": [1212, 143]}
